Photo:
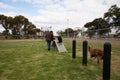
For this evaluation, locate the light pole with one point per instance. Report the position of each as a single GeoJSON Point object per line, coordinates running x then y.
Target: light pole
{"type": "Point", "coordinates": [68, 27]}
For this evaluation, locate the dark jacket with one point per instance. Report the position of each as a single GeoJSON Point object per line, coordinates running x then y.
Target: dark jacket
{"type": "Point", "coordinates": [49, 37]}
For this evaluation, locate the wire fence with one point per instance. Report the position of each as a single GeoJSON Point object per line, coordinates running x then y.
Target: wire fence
{"type": "Point", "coordinates": [102, 33]}
{"type": "Point", "coordinates": [83, 34]}
{"type": "Point", "coordinates": [21, 37]}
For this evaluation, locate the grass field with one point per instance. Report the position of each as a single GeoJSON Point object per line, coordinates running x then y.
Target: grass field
{"type": "Point", "coordinates": [30, 60]}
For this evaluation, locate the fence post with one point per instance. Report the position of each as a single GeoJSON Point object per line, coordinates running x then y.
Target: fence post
{"type": "Point", "coordinates": [106, 61]}
{"type": "Point", "coordinates": [74, 49]}
{"type": "Point", "coordinates": [84, 59]}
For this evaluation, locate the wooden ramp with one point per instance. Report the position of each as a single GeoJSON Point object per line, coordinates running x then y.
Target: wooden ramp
{"type": "Point", "coordinates": [60, 47]}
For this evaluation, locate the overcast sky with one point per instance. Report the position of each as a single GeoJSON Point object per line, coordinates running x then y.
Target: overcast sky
{"type": "Point", "coordinates": [58, 14]}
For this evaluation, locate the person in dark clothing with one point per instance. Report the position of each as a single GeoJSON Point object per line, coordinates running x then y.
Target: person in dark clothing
{"type": "Point", "coordinates": [49, 37]}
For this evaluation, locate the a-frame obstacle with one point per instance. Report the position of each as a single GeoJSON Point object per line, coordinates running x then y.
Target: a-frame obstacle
{"type": "Point", "coordinates": [60, 46]}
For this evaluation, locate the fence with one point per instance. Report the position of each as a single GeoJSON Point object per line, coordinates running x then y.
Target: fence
{"type": "Point", "coordinates": [21, 37]}
{"type": "Point", "coordinates": [112, 33]}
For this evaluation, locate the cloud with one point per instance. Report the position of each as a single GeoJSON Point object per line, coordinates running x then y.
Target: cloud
{"type": "Point", "coordinates": [6, 6]}
{"type": "Point", "coordinates": [9, 13]}
{"type": "Point", "coordinates": [75, 11]}
{"type": "Point", "coordinates": [55, 13]}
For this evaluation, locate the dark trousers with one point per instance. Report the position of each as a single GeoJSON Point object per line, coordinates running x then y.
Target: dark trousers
{"type": "Point", "coordinates": [48, 45]}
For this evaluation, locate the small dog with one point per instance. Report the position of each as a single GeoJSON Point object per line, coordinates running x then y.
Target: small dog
{"type": "Point", "coordinates": [59, 39]}
{"type": "Point", "coordinates": [96, 53]}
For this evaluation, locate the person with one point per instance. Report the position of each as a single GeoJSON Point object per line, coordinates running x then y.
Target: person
{"type": "Point", "coordinates": [49, 37]}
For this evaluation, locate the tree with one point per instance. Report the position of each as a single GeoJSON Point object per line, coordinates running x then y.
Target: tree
{"type": "Point", "coordinates": [90, 31]}
{"type": "Point", "coordinates": [98, 26]}
{"type": "Point", "coordinates": [69, 32]}
{"type": "Point", "coordinates": [114, 14]}
{"type": "Point", "coordinates": [31, 29]}
{"type": "Point", "coordinates": [19, 23]}
{"type": "Point", "coordinates": [4, 22]}
{"type": "Point", "coordinates": [61, 33]}
{"type": "Point", "coordinates": [88, 24]}
{"type": "Point", "coordinates": [37, 30]}
{"type": "Point", "coordinates": [101, 26]}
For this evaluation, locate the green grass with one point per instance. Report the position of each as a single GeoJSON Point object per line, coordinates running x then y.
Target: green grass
{"type": "Point", "coordinates": [30, 60]}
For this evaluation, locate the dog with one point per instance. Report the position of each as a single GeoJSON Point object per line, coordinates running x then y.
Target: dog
{"type": "Point", "coordinates": [96, 53]}
{"type": "Point", "coordinates": [59, 39]}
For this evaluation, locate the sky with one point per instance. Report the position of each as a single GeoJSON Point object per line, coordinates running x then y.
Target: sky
{"type": "Point", "coordinates": [57, 15]}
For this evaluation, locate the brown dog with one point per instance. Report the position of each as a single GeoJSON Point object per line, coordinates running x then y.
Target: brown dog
{"type": "Point", "coordinates": [96, 53]}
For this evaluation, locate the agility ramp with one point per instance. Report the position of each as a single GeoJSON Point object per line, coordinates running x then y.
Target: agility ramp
{"type": "Point", "coordinates": [60, 47]}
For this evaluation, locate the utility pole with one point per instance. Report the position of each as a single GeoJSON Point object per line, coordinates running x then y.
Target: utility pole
{"type": "Point", "coordinates": [68, 28]}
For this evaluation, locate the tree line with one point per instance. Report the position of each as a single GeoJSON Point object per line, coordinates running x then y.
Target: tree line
{"type": "Point", "coordinates": [17, 26]}
{"type": "Point", "coordinates": [20, 25]}
{"type": "Point", "coordinates": [69, 32]}
{"type": "Point", "coordinates": [101, 26]}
